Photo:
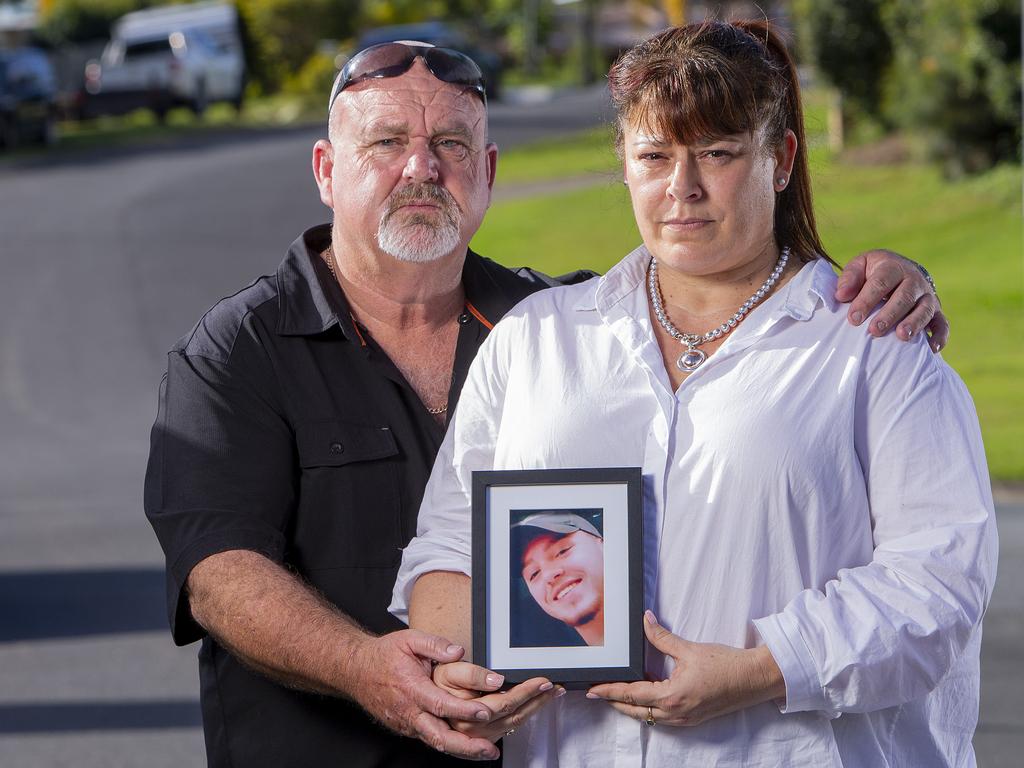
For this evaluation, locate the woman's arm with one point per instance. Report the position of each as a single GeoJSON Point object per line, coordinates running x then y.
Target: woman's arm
{"type": "Point", "coordinates": [891, 630]}
{"type": "Point", "coordinates": [443, 599]}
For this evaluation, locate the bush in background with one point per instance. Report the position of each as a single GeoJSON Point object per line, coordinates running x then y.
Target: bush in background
{"type": "Point", "coordinates": [76, 21]}
{"type": "Point", "coordinates": [851, 49]}
{"type": "Point", "coordinates": [956, 78]}
{"type": "Point", "coordinates": [283, 34]}
{"type": "Point", "coordinates": [948, 71]}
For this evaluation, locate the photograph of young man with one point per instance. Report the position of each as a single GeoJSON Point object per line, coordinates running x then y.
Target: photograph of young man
{"type": "Point", "coordinates": [560, 557]}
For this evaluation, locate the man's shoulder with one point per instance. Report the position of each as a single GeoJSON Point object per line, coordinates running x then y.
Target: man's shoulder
{"type": "Point", "coordinates": [510, 285]}
{"type": "Point", "coordinates": [215, 335]}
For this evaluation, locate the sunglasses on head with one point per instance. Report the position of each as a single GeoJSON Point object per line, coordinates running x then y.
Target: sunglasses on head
{"type": "Point", "coordinates": [394, 59]}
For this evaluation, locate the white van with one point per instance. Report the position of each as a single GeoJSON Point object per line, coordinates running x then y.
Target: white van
{"type": "Point", "coordinates": [159, 58]}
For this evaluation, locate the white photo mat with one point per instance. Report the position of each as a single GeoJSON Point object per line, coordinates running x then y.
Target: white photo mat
{"type": "Point", "coordinates": [609, 497]}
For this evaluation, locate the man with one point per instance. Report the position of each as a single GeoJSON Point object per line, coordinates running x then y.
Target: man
{"type": "Point", "coordinates": [298, 422]}
{"type": "Point", "coordinates": [560, 555]}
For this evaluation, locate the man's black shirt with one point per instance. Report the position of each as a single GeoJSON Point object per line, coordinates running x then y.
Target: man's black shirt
{"type": "Point", "coordinates": [284, 429]}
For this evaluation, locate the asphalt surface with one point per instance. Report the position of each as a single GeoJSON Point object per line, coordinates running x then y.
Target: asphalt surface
{"type": "Point", "coordinates": [107, 258]}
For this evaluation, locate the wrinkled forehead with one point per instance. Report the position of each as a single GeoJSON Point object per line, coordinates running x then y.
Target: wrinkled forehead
{"type": "Point", "coordinates": [415, 93]}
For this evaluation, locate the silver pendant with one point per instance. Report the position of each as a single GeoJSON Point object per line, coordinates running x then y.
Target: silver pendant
{"type": "Point", "coordinates": [690, 360]}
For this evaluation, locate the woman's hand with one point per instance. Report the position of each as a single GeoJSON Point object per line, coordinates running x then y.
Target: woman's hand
{"type": "Point", "coordinates": [709, 680]}
{"type": "Point", "coordinates": [510, 708]}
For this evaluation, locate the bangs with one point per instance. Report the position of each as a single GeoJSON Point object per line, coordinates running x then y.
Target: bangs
{"type": "Point", "coordinates": [693, 102]}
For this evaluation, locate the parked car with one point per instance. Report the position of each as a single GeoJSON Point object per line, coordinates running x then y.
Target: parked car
{"type": "Point", "coordinates": [189, 55]}
{"type": "Point", "coordinates": [28, 93]}
{"type": "Point", "coordinates": [442, 35]}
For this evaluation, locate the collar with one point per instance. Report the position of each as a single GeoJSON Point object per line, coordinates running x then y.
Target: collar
{"type": "Point", "coordinates": [813, 286]}
{"type": "Point", "coordinates": [310, 301]}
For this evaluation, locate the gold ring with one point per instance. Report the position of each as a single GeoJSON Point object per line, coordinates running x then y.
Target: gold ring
{"type": "Point", "coordinates": [510, 731]}
{"type": "Point", "coordinates": [650, 717]}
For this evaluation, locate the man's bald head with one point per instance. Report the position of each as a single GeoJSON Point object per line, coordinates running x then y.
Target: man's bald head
{"type": "Point", "coordinates": [408, 170]}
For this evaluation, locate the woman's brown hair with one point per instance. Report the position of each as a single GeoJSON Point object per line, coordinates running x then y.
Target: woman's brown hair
{"type": "Point", "coordinates": [704, 81]}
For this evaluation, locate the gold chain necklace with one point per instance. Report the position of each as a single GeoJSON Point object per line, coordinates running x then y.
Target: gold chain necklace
{"type": "Point", "coordinates": [328, 257]}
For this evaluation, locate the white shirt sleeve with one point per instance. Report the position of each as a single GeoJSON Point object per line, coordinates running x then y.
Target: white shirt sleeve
{"type": "Point", "coordinates": [444, 525]}
{"type": "Point", "coordinates": [887, 632]}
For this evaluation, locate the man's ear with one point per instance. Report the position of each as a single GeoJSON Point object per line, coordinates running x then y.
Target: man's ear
{"type": "Point", "coordinates": [323, 166]}
{"type": "Point", "coordinates": [492, 166]}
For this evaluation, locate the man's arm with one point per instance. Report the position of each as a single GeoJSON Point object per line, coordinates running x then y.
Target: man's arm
{"type": "Point", "coordinates": [278, 626]}
{"type": "Point", "coordinates": [911, 304]}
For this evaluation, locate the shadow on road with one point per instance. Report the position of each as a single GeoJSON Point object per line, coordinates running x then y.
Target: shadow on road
{"type": "Point", "coordinates": [61, 604]}
{"type": "Point", "coordinates": [98, 716]}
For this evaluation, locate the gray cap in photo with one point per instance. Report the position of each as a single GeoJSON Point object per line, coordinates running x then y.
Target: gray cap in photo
{"type": "Point", "coordinates": [558, 521]}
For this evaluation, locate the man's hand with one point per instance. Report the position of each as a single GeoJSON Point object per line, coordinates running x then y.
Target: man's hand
{"type": "Point", "coordinates": [278, 626]}
{"type": "Point", "coordinates": [393, 683]}
{"type": "Point", "coordinates": [511, 708]}
{"type": "Point", "coordinates": [911, 306]}
{"type": "Point", "coordinates": [709, 680]}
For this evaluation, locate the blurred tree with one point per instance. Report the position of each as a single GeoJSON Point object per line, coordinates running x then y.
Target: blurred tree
{"type": "Point", "coordinates": [676, 12]}
{"type": "Point", "coordinates": [485, 14]}
{"type": "Point", "coordinates": [852, 49]}
{"type": "Point", "coordinates": [588, 41]}
{"type": "Point", "coordinates": [956, 77]}
{"type": "Point", "coordinates": [283, 34]}
{"type": "Point", "coordinates": [74, 21]}
{"type": "Point", "coordinates": [947, 70]}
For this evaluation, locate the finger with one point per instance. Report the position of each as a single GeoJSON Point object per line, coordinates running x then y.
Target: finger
{"type": "Point", "coordinates": [938, 329]}
{"type": "Point", "coordinates": [899, 305]}
{"type": "Point", "coordinates": [851, 279]}
{"type": "Point", "coordinates": [881, 282]}
{"type": "Point", "coordinates": [438, 735]}
{"type": "Point", "coordinates": [436, 701]}
{"type": "Point", "coordinates": [433, 647]}
{"type": "Point", "coordinates": [524, 713]}
{"type": "Point", "coordinates": [918, 319]}
{"type": "Point", "coordinates": [468, 677]}
{"type": "Point", "coordinates": [660, 637]}
{"type": "Point", "coordinates": [642, 693]}
{"type": "Point", "coordinates": [661, 717]}
{"type": "Point", "coordinates": [508, 702]}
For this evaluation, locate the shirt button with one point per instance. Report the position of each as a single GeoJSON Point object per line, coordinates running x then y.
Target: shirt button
{"type": "Point", "coordinates": [337, 448]}
{"type": "Point", "coordinates": [463, 318]}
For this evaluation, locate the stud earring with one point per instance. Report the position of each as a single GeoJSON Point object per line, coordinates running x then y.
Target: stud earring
{"type": "Point", "coordinates": [781, 181]}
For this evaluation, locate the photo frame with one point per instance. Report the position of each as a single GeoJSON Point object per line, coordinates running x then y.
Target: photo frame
{"type": "Point", "coordinates": [558, 574]}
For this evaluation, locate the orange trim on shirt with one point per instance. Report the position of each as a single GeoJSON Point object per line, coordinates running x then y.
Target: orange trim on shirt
{"type": "Point", "coordinates": [476, 313]}
{"type": "Point", "coordinates": [362, 341]}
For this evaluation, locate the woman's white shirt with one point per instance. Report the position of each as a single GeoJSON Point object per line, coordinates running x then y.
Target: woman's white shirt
{"type": "Point", "coordinates": [808, 487]}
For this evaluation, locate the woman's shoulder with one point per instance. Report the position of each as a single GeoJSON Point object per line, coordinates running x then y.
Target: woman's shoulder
{"type": "Point", "coordinates": [811, 297]}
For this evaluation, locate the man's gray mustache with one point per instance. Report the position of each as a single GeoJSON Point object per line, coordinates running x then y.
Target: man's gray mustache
{"type": "Point", "coordinates": [424, 193]}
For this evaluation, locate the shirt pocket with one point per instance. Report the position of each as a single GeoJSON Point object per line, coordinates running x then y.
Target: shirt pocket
{"type": "Point", "coordinates": [350, 503]}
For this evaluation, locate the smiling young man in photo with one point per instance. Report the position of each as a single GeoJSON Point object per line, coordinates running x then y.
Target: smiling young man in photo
{"type": "Point", "coordinates": [561, 554]}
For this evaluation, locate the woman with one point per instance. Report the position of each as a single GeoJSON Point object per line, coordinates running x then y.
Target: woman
{"type": "Point", "coordinates": [819, 597]}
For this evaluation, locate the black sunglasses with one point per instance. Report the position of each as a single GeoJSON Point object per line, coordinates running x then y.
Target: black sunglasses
{"type": "Point", "coordinates": [394, 59]}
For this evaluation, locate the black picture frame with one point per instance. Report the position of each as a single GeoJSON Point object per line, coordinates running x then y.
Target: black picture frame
{"type": "Point", "coordinates": [524, 523]}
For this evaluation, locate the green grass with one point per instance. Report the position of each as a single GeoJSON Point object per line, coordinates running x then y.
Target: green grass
{"type": "Point", "coordinates": [968, 233]}
{"type": "Point", "coordinates": [581, 154]}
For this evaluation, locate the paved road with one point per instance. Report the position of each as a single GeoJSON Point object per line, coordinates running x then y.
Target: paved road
{"type": "Point", "coordinates": [106, 259]}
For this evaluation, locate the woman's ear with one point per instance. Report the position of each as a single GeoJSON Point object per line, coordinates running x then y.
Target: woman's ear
{"type": "Point", "coordinates": [785, 156]}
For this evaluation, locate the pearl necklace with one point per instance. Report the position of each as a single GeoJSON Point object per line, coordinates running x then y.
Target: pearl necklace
{"type": "Point", "coordinates": [692, 358]}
